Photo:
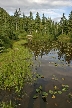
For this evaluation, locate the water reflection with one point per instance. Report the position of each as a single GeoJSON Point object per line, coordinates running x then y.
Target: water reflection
{"type": "Point", "coordinates": [58, 50]}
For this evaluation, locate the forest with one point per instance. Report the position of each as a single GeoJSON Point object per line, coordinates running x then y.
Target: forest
{"type": "Point", "coordinates": [13, 26]}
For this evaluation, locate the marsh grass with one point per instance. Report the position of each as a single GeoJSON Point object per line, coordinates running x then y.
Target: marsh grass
{"type": "Point", "coordinates": [7, 105]}
{"type": "Point", "coordinates": [15, 67]}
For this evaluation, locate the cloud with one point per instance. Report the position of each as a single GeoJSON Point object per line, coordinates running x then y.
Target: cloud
{"type": "Point", "coordinates": [62, 3]}
{"type": "Point", "coordinates": [51, 8]}
{"type": "Point", "coordinates": [57, 19]}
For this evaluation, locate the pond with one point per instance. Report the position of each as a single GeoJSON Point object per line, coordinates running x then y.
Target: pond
{"type": "Point", "coordinates": [52, 67]}
{"type": "Point", "coordinates": [52, 60]}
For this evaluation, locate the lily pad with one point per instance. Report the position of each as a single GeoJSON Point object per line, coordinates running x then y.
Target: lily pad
{"type": "Point", "coordinates": [51, 92]}
{"type": "Point", "coordinates": [40, 87]}
{"type": "Point", "coordinates": [59, 92]}
{"type": "Point", "coordinates": [55, 92]}
{"type": "Point", "coordinates": [37, 90]}
{"type": "Point", "coordinates": [44, 94]}
{"type": "Point", "coordinates": [39, 76]}
{"type": "Point", "coordinates": [64, 89]}
{"type": "Point", "coordinates": [35, 96]}
{"type": "Point", "coordinates": [70, 95]}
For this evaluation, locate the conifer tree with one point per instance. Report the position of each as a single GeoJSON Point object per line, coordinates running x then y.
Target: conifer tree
{"type": "Point", "coordinates": [70, 24]}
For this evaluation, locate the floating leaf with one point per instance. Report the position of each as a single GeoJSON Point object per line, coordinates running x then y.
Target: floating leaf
{"type": "Point", "coordinates": [59, 92]}
{"type": "Point", "coordinates": [64, 89]}
{"type": "Point", "coordinates": [53, 96]}
{"type": "Point", "coordinates": [70, 95]}
{"type": "Point", "coordinates": [55, 92]}
{"type": "Point", "coordinates": [44, 94]}
{"type": "Point", "coordinates": [63, 78]}
{"type": "Point", "coordinates": [55, 87]}
{"type": "Point", "coordinates": [40, 87]}
{"type": "Point", "coordinates": [35, 96]}
{"type": "Point", "coordinates": [64, 85]}
{"type": "Point", "coordinates": [39, 76]}
{"type": "Point", "coordinates": [37, 90]}
{"type": "Point", "coordinates": [50, 91]}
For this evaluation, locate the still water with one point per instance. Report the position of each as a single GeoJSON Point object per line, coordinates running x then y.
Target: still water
{"type": "Point", "coordinates": [53, 60]}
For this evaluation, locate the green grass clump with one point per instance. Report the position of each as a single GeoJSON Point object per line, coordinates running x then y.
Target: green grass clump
{"type": "Point", "coordinates": [15, 67]}
{"type": "Point", "coordinates": [7, 105]}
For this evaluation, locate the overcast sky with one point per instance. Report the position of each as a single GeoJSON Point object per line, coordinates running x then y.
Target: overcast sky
{"type": "Point", "coordinates": [51, 8]}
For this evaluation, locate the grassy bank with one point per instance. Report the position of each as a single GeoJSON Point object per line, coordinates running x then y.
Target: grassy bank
{"type": "Point", "coordinates": [15, 67]}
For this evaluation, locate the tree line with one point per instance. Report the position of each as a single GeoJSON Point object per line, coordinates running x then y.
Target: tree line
{"type": "Point", "coordinates": [12, 26]}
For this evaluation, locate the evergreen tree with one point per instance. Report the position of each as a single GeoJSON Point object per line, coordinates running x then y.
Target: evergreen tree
{"type": "Point", "coordinates": [63, 24]}
{"type": "Point", "coordinates": [37, 22]}
{"type": "Point", "coordinates": [70, 24]}
{"type": "Point", "coordinates": [30, 28]}
{"type": "Point", "coordinates": [17, 15]}
{"type": "Point", "coordinates": [43, 19]}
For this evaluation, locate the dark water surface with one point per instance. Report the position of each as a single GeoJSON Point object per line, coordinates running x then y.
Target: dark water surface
{"type": "Point", "coordinates": [51, 59]}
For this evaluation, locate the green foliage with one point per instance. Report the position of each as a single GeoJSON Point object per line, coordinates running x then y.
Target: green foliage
{"type": "Point", "coordinates": [37, 90]}
{"type": "Point", "coordinates": [59, 92]}
{"type": "Point", "coordinates": [7, 105]}
{"type": "Point", "coordinates": [50, 91]}
{"type": "Point", "coordinates": [35, 96]}
{"type": "Point", "coordinates": [70, 97]}
{"type": "Point", "coordinates": [64, 38]}
{"type": "Point", "coordinates": [14, 27]}
{"type": "Point", "coordinates": [44, 94]}
{"type": "Point", "coordinates": [14, 67]}
{"type": "Point", "coordinates": [7, 34]}
{"type": "Point", "coordinates": [39, 76]}
{"type": "Point", "coordinates": [22, 34]}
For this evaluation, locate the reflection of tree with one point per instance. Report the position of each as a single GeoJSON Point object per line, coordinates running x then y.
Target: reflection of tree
{"type": "Point", "coordinates": [66, 51]}
{"type": "Point", "coordinates": [41, 47]}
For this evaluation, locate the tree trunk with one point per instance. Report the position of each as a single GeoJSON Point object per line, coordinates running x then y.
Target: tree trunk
{"type": "Point", "coordinates": [16, 26]}
{"type": "Point", "coordinates": [62, 31]}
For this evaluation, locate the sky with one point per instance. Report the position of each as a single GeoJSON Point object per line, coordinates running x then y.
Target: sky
{"type": "Point", "coordinates": [50, 8]}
